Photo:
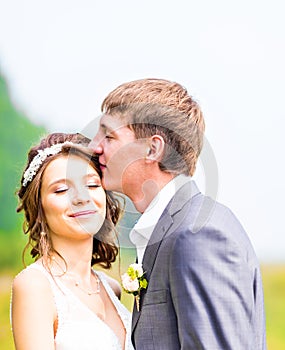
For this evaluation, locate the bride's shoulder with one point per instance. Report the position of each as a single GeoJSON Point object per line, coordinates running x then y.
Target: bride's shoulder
{"type": "Point", "coordinates": [31, 291]}
{"type": "Point", "coordinates": [30, 278]}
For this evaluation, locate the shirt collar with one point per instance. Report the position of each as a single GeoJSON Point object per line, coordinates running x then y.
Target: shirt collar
{"type": "Point", "coordinates": [143, 229]}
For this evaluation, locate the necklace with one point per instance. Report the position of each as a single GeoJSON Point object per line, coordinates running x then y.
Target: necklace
{"type": "Point", "coordinates": [63, 270]}
{"type": "Point", "coordinates": [76, 282]}
{"type": "Point", "coordinates": [89, 292]}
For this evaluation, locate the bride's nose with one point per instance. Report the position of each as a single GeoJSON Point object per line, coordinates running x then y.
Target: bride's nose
{"type": "Point", "coordinates": [80, 197]}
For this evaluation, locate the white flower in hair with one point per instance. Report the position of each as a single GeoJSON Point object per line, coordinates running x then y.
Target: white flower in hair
{"type": "Point", "coordinates": [40, 158]}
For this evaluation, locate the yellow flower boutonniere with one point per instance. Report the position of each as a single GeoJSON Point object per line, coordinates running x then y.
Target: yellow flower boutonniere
{"type": "Point", "coordinates": [133, 281]}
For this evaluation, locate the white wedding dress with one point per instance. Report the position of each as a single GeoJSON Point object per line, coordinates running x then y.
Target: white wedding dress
{"type": "Point", "coordinates": [79, 328]}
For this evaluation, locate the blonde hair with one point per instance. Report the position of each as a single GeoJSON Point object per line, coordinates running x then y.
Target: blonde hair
{"type": "Point", "coordinates": [158, 106]}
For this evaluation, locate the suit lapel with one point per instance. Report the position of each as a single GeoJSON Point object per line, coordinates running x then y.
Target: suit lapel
{"type": "Point", "coordinates": [150, 255]}
{"type": "Point", "coordinates": [184, 194]}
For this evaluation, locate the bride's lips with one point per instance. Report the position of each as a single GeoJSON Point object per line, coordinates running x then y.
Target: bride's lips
{"type": "Point", "coordinates": [83, 213]}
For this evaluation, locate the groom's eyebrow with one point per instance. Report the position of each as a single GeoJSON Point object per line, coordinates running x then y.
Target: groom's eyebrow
{"type": "Point", "coordinates": [104, 128]}
{"type": "Point", "coordinates": [107, 129]}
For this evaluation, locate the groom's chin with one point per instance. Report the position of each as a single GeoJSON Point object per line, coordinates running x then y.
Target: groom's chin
{"type": "Point", "coordinates": [109, 185]}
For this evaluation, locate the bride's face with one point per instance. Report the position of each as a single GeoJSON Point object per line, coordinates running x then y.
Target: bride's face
{"type": "Point", "coordinates": [73, 199]}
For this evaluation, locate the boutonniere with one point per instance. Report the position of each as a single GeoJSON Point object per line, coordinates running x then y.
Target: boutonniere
{"type": "Point", "coordinates": [133, 282]}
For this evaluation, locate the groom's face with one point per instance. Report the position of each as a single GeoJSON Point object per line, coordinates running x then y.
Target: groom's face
{"type": "Point", "coordinates": [121, 155]}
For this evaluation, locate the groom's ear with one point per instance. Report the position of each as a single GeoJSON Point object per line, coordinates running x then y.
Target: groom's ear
{"type": "Point", "coordinates": [155, 148]}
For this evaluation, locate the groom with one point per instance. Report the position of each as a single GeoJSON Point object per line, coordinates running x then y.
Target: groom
{"type": "Point", "coordinates": [204, 285]}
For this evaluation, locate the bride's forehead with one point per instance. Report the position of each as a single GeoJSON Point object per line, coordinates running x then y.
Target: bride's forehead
{"type": "Point", "coordinates": [68, 165]}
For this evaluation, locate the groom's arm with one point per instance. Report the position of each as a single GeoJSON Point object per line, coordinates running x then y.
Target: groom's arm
{"type": "Point", "coordinates": [215, 289]}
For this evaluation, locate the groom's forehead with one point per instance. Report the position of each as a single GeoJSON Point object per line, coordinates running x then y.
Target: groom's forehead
{"type": "Point", "coordinates": [104, 121]}
{"type": "Point", "coordinates": [110, 123]}
{"type": "Point", "coordinates": [105, 124]}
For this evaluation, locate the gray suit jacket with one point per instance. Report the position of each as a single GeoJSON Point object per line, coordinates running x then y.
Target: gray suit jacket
{"type": "Point", "coordinates": [205, 289]}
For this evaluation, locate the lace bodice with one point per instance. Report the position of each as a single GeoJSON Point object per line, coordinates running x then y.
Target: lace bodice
{"type": "Point", "coordinates": [78, 327]}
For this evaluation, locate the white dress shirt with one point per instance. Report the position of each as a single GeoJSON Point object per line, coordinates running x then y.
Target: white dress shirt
{"type": "Point", "coordinates": [141, 232]}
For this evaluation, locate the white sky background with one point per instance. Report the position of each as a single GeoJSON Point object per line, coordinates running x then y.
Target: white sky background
{"type": "Point", "coordinates": [62, 57]}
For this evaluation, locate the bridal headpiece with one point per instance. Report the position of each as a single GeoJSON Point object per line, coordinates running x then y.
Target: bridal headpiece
{"type": "Point", "coordinates": [40, 158]}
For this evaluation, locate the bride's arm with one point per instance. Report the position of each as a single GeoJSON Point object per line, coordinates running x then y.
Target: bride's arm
{"type": "Point", "coordinates": [32, 311]}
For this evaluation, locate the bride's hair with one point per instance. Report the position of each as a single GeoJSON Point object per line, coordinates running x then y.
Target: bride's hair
{"type": "Point", "coordinates": [105, 247]}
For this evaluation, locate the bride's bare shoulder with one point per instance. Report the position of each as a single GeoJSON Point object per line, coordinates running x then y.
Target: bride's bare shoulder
{"type": "Point", "coordinates": [30, 278]}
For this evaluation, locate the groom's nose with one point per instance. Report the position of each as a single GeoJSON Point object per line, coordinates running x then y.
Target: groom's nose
{"type": "Point", "coordinates": [96, 146]}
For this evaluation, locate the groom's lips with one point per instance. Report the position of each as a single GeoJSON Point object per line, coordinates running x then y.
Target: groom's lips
{"type": "Point", "coordinates": [102, 166]}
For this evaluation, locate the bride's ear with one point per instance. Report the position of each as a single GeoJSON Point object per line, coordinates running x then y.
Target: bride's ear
{"type": "Point", "coordinates": [155, 148]}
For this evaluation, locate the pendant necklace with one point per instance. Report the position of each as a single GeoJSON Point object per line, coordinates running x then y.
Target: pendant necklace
{"type": "Point", "coordinates": [89, 292]}
{"type": "Point", "coordinates": [76, 282]}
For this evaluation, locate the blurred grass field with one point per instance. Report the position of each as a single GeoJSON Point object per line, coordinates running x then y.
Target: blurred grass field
{"type": "Point", "coordinates": [274, 295]}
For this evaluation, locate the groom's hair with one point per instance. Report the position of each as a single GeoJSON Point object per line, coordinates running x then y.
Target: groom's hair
{"type": "Point", "coordinates": [161, 107]}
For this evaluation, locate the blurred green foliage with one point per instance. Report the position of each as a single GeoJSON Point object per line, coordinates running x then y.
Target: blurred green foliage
{"type": "Point", "coordinates": [17, 135]}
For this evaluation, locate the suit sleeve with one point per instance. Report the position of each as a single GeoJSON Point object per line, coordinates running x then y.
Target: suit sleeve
{"type": "Point", "coordinates": [213, 289]}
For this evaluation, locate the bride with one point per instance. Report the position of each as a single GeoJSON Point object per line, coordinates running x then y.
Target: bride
{"type": "Point", "coordinates": [60, 302]}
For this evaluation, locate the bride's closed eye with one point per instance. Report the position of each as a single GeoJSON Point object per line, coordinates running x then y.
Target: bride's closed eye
{"type": "Point", "coordinates": [94, 185]}
{"type": "Point", "coordinates": [61, 189]}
